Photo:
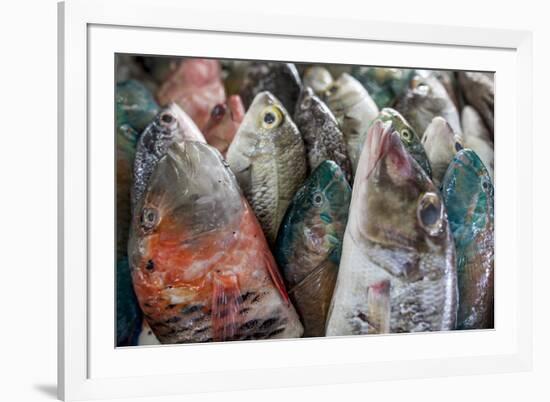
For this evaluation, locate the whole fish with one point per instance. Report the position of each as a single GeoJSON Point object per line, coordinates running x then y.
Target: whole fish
{"type": "Point", "coordinates": [201, 267]}
{"type": "Point", "coordinates": [224, 122]}
{"type": "Point", "coordinates": [383, 84]}
{"type": "Point", "coordinates": [268, 158]}
{"type": "Point", "coordinates": [322, 136]}
{"type": "Point", "coordinates": [309, 243]}
{"type": "Point", "coordinates": [171, 125]}
{"type": "Point", "coordinates": [196, 86]}
{"type": "Point", "coordinates": [135, 105]}
{"type": "Point", "coordinates": [354, 110]}
{"type": "Point", "coordinates": [478, 138]}
{"type": "Point", "coordinates": [479, 90]}
{"type": "Point", "coordinates": [397, 271]}
{"type": "Point", "coordinates": [425, 99]}
{"type": "Point", "coordinates": [280, 79]}
{"type": "Point", "coordinates": [318, 78]}
{"type": "Point", "coordinates": [441, 144]}
{"type": "Point", "coordinates": [409, 137]}
{"type": "Point", "coordinates": [468, 195]}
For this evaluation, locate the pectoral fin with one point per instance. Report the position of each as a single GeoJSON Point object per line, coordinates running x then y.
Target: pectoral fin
{"type": "Point", "coordinates": [378, 307]}
{"type": "Point", "coordinates": [226, 303]}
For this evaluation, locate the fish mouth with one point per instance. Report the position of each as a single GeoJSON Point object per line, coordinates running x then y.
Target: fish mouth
{"type": "Point", "coordinates": [378, 143]}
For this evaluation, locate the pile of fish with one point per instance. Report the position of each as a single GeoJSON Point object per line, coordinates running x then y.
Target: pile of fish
{"type": "Point", "coordinates": [264, 200]}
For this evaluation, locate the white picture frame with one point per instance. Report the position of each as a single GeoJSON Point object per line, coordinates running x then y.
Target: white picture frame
{"type": "Point", "coordinates": [91, 32]}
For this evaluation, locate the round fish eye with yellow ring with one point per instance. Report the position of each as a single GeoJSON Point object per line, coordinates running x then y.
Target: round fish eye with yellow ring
{"type": "Point", "coordinates": [406, 135]}
{"type": "Point", "coordinates": [271, 117]}
{"type": "Point", "coordinates": [429, 213]}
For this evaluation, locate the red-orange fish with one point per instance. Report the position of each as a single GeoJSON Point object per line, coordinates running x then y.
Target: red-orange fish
{"type": "Point", "coordinates": [201, 267]}
{"type": "Point", "coordinates": [196, 86]}
{"type": "Point", "coordinates": [224, 122]}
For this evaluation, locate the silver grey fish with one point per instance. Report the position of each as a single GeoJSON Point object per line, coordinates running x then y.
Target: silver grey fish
{"type": "Point", "coordinates": [354, 110]}
{"type": "Point", "coordinates": [479, 90]}
{"type": "Point", "coordinates": [425, 99]}
{"type": "Point", "coordinates": [322, 135]}
{"type": "Point", "coordinates": [397, 271]}
{"type": "Point", "coordinates": [268, 158]}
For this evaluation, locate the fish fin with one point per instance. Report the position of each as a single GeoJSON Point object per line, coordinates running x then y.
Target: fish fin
{"type": "Point", "coordinates": [226, 304]}
{"type": "Point", "coordinates": [378, 307]}
{"type": "Point", "coordinates": [326, 267]}
{"type": "Point", "coordinates": [275, 275]}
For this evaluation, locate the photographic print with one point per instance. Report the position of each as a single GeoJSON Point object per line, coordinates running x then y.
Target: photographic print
{"type": "Point", "coordinates": [267, 200]}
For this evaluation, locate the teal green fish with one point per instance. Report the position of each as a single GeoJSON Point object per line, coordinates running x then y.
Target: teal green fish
{"type": "Point", "coordinates": [468, 194]}
{"type": "Point", "coordinates": [385, 85]}
{"type": "Point", "coordinates": [135, 105]}
{"type": "Point", "coordinates": [309, 243]}
{"type": "Point", "coordinates": [409, 137]}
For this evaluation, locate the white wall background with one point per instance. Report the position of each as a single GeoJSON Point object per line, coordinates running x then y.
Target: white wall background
{"type": "Point", "coordinates": [28, 200]}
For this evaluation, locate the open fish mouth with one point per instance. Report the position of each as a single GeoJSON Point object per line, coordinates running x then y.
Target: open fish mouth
{"type": "Point", "coordinates": [378, 143]}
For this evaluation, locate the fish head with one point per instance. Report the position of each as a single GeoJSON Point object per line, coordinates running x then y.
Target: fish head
{"type": "Point", "coordinates": [397, 207]}
{"type": "Point", "coordinates": [318, 78]}
{"type": "Point", "coordinates": [408, 136]}
{"type": "Point", "coordinates": [468, 190]}
{"type": "Point", "coordinates": [191, 196]}
{"type": "Point", "coordinates": [310, 107]}
{"type": "Point", "coordinates": [266, 126]}
{"type": "Point", "coordinates": [322, 205]}
{"type": "Point", "coordinates": [344, 93]}
{"type": "Point", "coordinates": [440, 141]}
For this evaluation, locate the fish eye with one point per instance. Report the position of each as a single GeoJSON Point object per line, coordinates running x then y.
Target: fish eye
{"type": "Point", "coordinates": [272, 117]}
{"type": "Point", "coordinates": [149, 218]}
{"type": "Point", "coordinates": [486, 184]}
{"type": "Point", "coordinates": [317, 199]}
{"type": "Point", "coordinates": [430, 213]}
{"type": "Point", "coordinates": [167, 119]}
{"type": "Point", "coordinates": [218, 111]}
{"type": "Point", "coordinates": [306, 103]}
{"type": "Point", "coordinates": [407, 135]}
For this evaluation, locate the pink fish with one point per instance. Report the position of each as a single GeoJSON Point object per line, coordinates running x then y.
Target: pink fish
{"type": "Point", "coordinates": [224, 122]}
{"type": "Point", "coordinates": [196, 86]}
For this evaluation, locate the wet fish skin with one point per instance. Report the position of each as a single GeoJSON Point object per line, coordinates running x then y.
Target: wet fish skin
{"type": "Point", "coordinates": [196, 86]}
{"type": "Point", "coordinates": [135, 105]}
{"type": "Point", "coordinates": [309, 243]}
{"type": "Point", "coordinates": [425, 99]}
{"type": "Point", "coordinates": [224, 122]}
{"type": "Point", "coordinates": [469, 196]}
{"type": "Point", "coordinates": [317, 78]}
{"type": "Point", "coordinates": [441, 144]}
{"type": "Point", "coordinates": [397, 271]}
{"type": "Point", "coordinates": [201, 267]}
{"type": "Point", "coordinates": [383, 84]}
{"type": "Point", "coordinates": [409, 137]}
{"type": "Point", "coordinates": [354, 110]}
{"type": "Point", "coordinates": [478, 138]}
{"type": "Point", "coordinates": [280, 79]}
{"type": "Point", "coordinates": [268, 158]}
{"type": "Point", "coordinates": [170, 125]}
{"type": "Point", "coordinates": [322, 136]}
{"type": "Point", "coordinates": [479, 90]}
